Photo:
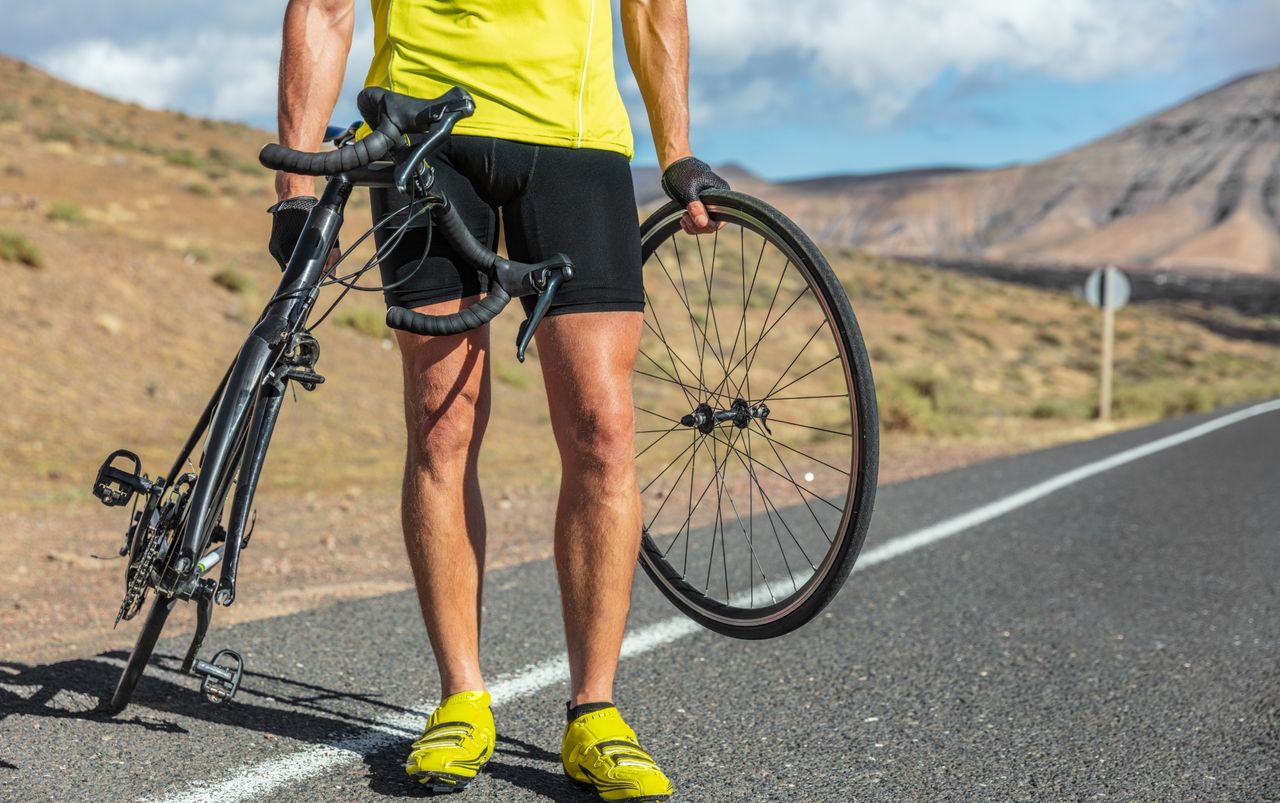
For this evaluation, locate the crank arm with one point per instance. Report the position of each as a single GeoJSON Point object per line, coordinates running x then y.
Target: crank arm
{"type": "Point", "coordinates": [204, 612]}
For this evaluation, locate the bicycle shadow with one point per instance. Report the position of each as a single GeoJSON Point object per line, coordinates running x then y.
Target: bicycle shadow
{"type": "Point", "coordinates": [77, 690]}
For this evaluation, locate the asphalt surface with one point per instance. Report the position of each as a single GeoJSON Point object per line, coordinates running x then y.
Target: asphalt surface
{"type": "Point", "coordinates": [1118, 639]}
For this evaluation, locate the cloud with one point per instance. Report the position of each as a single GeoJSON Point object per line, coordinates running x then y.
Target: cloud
{"type": "Point", "coordinates": [882, 56]}
{"type": "Point", "coordinates": [1243, 37]}
{"type": "Point", "coordinates": [818, 62]}
{"type": "Point", "coordinates": [227, 72]}
{"type": "Point", "coordinates": [213, 74]}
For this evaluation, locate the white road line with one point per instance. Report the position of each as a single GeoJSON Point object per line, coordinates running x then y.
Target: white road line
{"type": "Point", "coordinates": [259, 779]}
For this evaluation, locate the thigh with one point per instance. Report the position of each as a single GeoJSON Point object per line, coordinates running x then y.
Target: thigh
{"type": "Point", "coordinates": [419, 269]}
{"type": "Point", "coordinates": [587, 360]}
{"type": "Point", "coordinates": [581, 202]}
{"type": "Point", "coordinates": [444, 376]}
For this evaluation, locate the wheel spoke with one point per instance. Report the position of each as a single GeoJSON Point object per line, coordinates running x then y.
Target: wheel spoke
{"type": "Point", "coordinates": [679, 477]}
{"type": "Point", "coordinates": [773, 420]}
{"type": "Point", "coordinates": [797, 451]}
{"type": "Point", "coordinates": [669, 380]}
{"type": "Point", "coordinates": [749, 357]}
{"type": "Point", "coordinates": [810, 398]}
{"type": "Point", "coordinates": [746, 294]}
{"type": "Point", "coordinates": [747, 535]}
{"type": "Point", "coordinates": [656, 415]}
{"type": "Point", "coordinates": [693, 507]}
{"type": "Point", "coordinates": [801, 491]}
{"type": "Point", "coordinates": [711, 304]}
{"type": "Point", "coordinates": [793, 483]}
{"type": "Point", "coordinates": [662, 338]}
{"type": "Point", "coordinates": [711, 559]}
{"type": "Point", "coordinates": [667, 467]}
{"type": "Point", "coordinates": [706, 338]}
{"type": "Point", "coordinates": [806, 375]}
{"type": "Point", "coordinates": [751, 520]}
{"type": "Point", "coordinates": [795, 359]}
{"type": "Point", "coordinates": [769, 503]}
{"type": "Point", "coordinates": [665, 433]}
{"type": "Point", "coordinates": [684, 300]}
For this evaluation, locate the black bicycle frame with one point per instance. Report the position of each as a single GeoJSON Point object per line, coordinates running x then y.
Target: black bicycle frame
{"type": "Point", "coordinates": [251, 393]}
{"type": "Point", "coordinates": [242, 414]}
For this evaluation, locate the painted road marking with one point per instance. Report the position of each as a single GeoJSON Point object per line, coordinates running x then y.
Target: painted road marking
{"type": "Point", "coordinates": [259, 779]}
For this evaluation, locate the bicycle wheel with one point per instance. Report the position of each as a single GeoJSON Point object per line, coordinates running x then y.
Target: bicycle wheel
{"type": "Point", "coordinates": [756, 428]}
{"type": "Point", "coordinates": [142, 649]}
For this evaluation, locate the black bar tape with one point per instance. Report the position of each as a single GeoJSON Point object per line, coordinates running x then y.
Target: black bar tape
{"type": "Point", "coordinates": [473, 317]}
{"type": "Point", "coordinates": [350, 156]}
{"type": "Point", "coordinates": [460, 237]}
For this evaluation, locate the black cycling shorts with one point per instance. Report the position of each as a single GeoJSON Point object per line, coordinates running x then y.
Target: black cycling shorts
{"type": "Point", "coordinates": [578, 202]}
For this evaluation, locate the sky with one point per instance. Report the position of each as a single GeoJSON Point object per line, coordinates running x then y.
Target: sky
{"type": "Point", "coordinates": [784, 88]}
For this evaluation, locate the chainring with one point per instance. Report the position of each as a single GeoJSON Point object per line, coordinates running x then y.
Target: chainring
{"type": "Point", "coordinates": [149, 552]}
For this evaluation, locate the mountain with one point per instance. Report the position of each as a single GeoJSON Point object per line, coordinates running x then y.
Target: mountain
{"type": "Point", "coordinates": [1194, 188]}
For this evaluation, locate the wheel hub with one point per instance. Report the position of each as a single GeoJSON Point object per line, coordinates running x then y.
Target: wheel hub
{"type": "Point", "coordinates": [705, 418]}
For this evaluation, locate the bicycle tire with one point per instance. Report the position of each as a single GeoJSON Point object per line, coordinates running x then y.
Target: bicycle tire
{"type": "Point", "coordinates": [732, 614]}
{"type": "Point", "coordinates": [141, 654]}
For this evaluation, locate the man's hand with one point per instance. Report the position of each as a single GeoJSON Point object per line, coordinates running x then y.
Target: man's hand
{"type": "Point", "coordinates": [288, 217]}
{"type": "Point", "coordinates": [685, 180]}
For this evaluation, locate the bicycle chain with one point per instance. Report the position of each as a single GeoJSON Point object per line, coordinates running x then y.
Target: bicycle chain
{"type": "Point", "coordinates": [136, 588]}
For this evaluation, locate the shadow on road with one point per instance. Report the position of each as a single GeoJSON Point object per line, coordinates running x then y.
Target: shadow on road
{"type": "Point", "coordinates": [519, 763]}
{"type": "Point", "coordinates": [77, 689]}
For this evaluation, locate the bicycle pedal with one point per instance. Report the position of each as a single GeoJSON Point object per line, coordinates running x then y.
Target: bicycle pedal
{"type": "Point", "coordinates": [114, 485]}
{"type": "Point", "coordinates": [221, 681]}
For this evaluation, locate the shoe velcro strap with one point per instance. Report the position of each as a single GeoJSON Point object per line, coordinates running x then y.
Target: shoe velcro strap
{"type": "Point", "coordinates": [619, 750]}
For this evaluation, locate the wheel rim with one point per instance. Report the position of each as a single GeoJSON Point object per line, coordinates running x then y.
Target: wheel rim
{"type": "Point", "coordinates": [747, 440]}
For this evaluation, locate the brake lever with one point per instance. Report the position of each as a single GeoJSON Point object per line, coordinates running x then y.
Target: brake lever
{"type": "Point", "coordinates": [554, 278]}
{"type": "Point", "coordinates": [415, 163]}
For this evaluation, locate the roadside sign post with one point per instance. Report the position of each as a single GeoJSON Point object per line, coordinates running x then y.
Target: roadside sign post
{"type": "Point", "coordinates": [1108, 289]}
{"type": "Point", "coordinates": [1108, 362]}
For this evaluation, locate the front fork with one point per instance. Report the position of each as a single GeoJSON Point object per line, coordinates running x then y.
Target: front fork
{"type": "Point", "coordinates": [261, 429]}
{"type": "Point", "coordinates": [221, 674]}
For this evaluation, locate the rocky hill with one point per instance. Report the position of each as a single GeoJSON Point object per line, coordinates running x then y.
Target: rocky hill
{"type": "Point", "coordinates": [1192, 188]}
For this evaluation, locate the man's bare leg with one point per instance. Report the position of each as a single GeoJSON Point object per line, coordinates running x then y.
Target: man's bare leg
{"type": "Point", "coordinates": [587, 359]}
{"type": "Point", "coordinates": [446, 395]}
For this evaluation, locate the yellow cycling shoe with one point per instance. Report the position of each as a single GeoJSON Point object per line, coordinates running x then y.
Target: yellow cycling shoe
{"type": "Point", "coordinates": [458, 740]}
{"type": "Point", "coordinates": [601, 750]}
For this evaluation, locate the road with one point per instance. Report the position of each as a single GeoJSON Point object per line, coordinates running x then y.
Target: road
{"type": "Point", "coordinates": [1064, 625]}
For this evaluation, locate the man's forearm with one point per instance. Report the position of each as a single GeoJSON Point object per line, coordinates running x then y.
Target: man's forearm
{"type": "Point", "coordinates": [313, 59]}
{"type": "Point", "coordinates": [656, 33]}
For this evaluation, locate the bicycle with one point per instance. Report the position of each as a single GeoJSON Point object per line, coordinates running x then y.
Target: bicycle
{"type": "Point", "coordinates": [188, 522]}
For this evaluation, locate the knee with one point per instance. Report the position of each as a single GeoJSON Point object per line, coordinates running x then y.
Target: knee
{"type": "Point", "coordinates": [602, 440]}
{"type": "Point", "coordinates": [444, 436]}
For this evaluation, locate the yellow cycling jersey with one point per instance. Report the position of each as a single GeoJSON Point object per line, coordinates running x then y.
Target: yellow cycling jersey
{"type": "Point", "coordinates": [541, 71]}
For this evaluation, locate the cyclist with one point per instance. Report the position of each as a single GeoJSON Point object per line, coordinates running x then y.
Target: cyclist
{"type": "Point", "coordinates": [547, 152]}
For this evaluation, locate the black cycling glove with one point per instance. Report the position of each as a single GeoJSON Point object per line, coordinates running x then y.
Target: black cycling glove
{"type": "Point", "coordinates": [685, 179]}
{"type": "Point", "coordinates": [288, 218]}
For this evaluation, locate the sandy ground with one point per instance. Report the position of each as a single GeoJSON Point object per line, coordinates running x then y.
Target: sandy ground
{"type": "Point", "coordinates": [58, 600]}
